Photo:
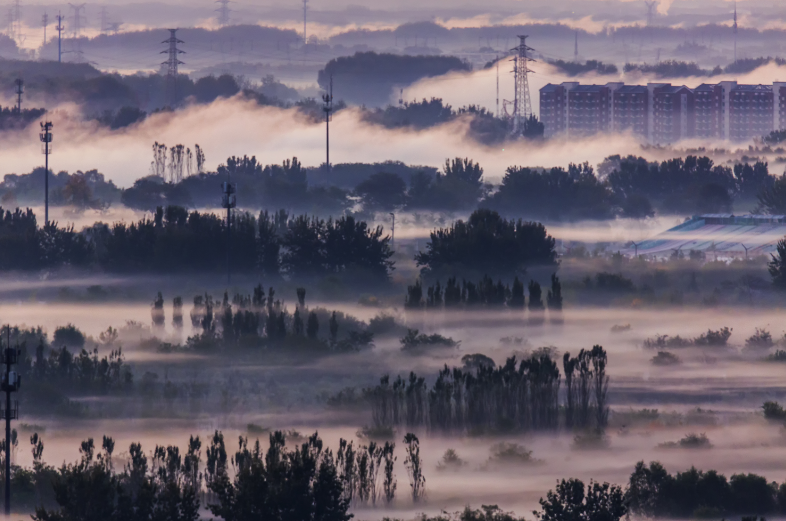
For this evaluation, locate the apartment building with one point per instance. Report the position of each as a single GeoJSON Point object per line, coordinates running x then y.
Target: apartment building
{"type": "Point", "coordinates": [662, 113]}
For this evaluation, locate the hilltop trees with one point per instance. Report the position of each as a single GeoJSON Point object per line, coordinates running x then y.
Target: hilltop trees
{"type": "Point", "coordinates": [486, 244]}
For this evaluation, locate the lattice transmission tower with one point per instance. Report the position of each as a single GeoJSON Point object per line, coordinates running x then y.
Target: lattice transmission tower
{"type": "Point", "coordinates": [522, 104]}
{"type": "Point", "coordinates": [223, 12]}
{"type": "Point", "coordinates": [172, 66]}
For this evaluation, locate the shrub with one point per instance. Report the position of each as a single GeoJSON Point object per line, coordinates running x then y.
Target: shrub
{"type": "Point", "coordinates": [620, 328]}
{"type": "Point", "coordinates": [665, 358]}
{"type": "Point", "coordinates": [450, 461]}
{"type": "Point", "coordinates": [777, 356]}
{"type": "Point", "coordinates": [712, 338]}
{"type": "Point", "coordinates": [614, 282]}
{"type": "Point", "coordinates": [773, 411]}
{"type": "Point", "coordinates": [663, 341]}
{"type": "Point", "coordinates": [760, 339]}
{"type": "Point", "coordinates": [590, 440]}
{"type": "Point", "coordinates": [414, 340]}
{"type": "Point", "coordinates": [504, 453]}
{"type": "Point", "coordinates": [691, 441]}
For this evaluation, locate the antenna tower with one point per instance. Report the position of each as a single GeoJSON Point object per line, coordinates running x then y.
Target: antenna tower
{"type": "Point", "coordinates": [223, 12]}
{"type": "Point", "coordinates": [172, 64]}
{"type": "Point", "coordinates": [576, 49]}
{"type": "Point", "coordinates": [60, 29]}
{"type": "Point", "coordinates": [46, 139]}
{"type": "Point", "coordinates": [650, 11]}
{"type": "Point", "coordinates": [522, 106]}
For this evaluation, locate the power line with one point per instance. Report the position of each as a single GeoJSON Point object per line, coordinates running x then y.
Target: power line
{"type": "Point", "coordinates": [172, 65]}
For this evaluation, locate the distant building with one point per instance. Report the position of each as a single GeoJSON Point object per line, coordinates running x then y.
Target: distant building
{"type": "Point", "coordinates": [708, 111]}
{"type": "Point", "coordinates": [661, 113]}
{"type": "Point", "coordinates": [553, 109]}
{"type": "Point", "coordinates": [589, 110]}
{"type": "Point", "coordinates": [674, 114]}
{"type": "Point", "coordinates": [750, 112]}
{"type": "Point", "coordinates": [631, 109]}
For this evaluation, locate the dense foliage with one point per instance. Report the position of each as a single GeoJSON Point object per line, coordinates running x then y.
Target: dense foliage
{"type": "Point", "coordinates": [486, 244]}
{"type": "Point", "coordinates": [653, 492]}
{"type": "Point", "coordinates": [176, 239]}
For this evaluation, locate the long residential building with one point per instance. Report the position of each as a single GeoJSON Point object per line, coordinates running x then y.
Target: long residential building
{"type": "Point", "coordinates": [661, 113]}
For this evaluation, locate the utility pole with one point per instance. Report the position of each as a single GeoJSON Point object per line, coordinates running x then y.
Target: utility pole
{"type": "Point", "coordinates": [11, 384]}
{"type": "Point", "coordinates": [46, 139]}
{"type": "Point", "coordinates": [327, 98]}
{"type": "Point", "coordinates": [305, 15]}
{"type": "Point", "coordinates": [17, 22]}
{"type": "Point", "coordinates": [20, 89]}
{"type": "Point", "coordinates": [59, 37]}
{"type": "Point", "coordinates": [393, 232]}
{"type": "Point", "coordinates": [228, 201]}
{"type": "Point", "coordinates": [172, 64]}
{"type": "Point", "coordinates": [636, 246]}
{"type": "Point", "coordinates": [746, 250]}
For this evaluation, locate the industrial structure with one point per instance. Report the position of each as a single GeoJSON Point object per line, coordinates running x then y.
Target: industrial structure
{"type": "Point", "coordinates": [718, 236]}
{"type": "Point", "coordinates": [662, 113]}
{"type": "Point", "coordinates": [172, 65]}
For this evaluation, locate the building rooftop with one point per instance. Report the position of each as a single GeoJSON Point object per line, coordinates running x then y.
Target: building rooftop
{"type": "Point", "coordinates": [551, 88]}
{"type": "Point", "coordinates": [632, 89]}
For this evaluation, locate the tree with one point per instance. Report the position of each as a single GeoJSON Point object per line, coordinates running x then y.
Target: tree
{"type": "Point", "coordinates": [312, 327]}
{"type": "Point", "coordinates": [487, 244]}
{"type": "Point", "coordinates": [158, 311]}
{"type": "Point", "coordinates": [533, 129]}
{"type": "Point", "coordinates": [554, 298]}
{"type": "Point", "coordinates": [569, 502]}
{"type": "Point", "coordinates": [382, 192]}
{"type": "Point", "coordinates": [777, 266]}
{"type": "Point", "coordinates": [772, 199]}
{"type": "Point", "coordinates": [414, 466]}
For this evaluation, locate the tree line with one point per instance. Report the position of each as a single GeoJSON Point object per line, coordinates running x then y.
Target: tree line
{"type": "Point", "coordinates": [519, 396]}
{"type": "Point", "coordinates": [485, 293]}
{"type": "Point", "coordinates": [292, 480]}
{"type": "Point", "coordinates": [175, 238]}
{"type": "Point", "coordinates": [262, 320]}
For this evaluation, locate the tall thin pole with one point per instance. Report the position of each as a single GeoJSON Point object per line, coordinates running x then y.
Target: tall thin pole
{"type": "Point", "coordinates": [305, 11]}
{"type": "Point", "coordinates": [393, 231]}
{"type": "Point", "coordinates": [498, 86]}
{"type": "Point", "coordinates": [20, 89]}
{"type": "Point", "coordinates": [328, 108]}
{"type": "Point", "coordinates": [228, 201]}
{"type": "Point", "coordinates": [59, 37]}
{"type": "Point", "coordinates": [46, 138]}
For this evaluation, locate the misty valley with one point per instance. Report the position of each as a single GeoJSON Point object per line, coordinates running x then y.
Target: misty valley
{"type": "Point", "coordinates": [419, 261]}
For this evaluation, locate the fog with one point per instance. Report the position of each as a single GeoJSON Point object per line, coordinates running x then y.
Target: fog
{"type": "Point", "coordinates": [727, 384]}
